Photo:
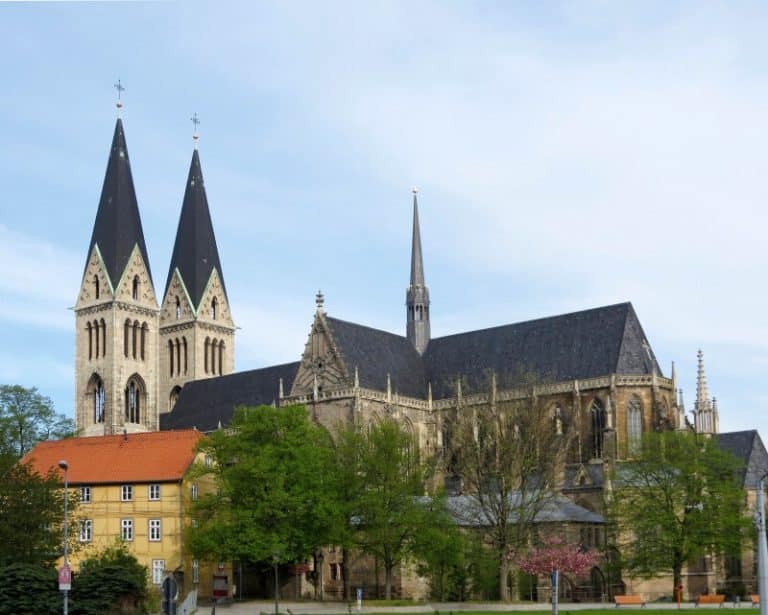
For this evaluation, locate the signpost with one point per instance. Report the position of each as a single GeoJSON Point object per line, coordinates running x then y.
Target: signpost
{"type": "Point", "coordinates": [65, 578]}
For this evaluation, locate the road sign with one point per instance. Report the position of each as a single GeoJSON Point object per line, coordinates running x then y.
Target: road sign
{"type": "Point", "coordinates": [65, 578]}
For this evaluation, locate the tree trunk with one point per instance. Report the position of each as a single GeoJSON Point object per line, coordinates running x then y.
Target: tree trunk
{"type": "Point", "coordinates": [388, 566]}
{"type": "Point", "coordinates": [677, 576]}
{"type": "Point", "coordinates": [504, 578]}
{"type": "Point", "coordinates": [345, 575]}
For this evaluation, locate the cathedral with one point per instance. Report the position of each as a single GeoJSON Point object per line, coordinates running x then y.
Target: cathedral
{"type": "Point", "coordinates": [147, 361]}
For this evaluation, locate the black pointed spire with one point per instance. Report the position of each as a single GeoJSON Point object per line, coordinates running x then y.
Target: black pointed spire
{"type": "Point", "coordinates": [417, 296]}
{"type": "Point", "coordinates": [195, 254]}
{"type": "Point", "coordinates": [118, 225]}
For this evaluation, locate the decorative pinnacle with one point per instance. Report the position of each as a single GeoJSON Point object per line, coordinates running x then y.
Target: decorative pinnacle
{"type": "Point", "coordinates": [120, 89]}
{"type": "Point", "coordinates": [319, 300]}
{"type": "Point", "coordinates": [195, 122]}
{"type": "Point", "coordinates": [702, 393]}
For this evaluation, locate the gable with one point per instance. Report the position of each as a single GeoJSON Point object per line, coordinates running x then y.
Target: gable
{"type": "Point", "coordinates": [176, 290]}
{"type": "Point", "coordinates": [94, 269]}
{"type": "Point", "coordinates": [136, 267]}
{"type": "Point", "coordinates": [322, 361]}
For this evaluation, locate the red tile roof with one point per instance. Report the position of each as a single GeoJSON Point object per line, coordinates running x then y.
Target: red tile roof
{"type": "Point", "coordinates": [138, 457]}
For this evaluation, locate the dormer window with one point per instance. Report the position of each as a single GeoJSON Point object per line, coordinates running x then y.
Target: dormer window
{"type": "Point", "coordinates": [135, 291]}
{"type": "Point", "coordinates": [178, 308]}
{"type": "Point", "coordinates": [214, 307]}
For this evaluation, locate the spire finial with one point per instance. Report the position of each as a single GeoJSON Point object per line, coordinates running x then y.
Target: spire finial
{"type": "Point", "coordinates": [120, 89]}
{"type": "Point", "coordinates": [319, 300]}
{"type": "Point", "coordinates": [415, 190]}
{"type": "Point", "coordinates": [195, 122]}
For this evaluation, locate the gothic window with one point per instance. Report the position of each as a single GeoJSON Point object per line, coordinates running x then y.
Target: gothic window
{"type": "Point", "coordinates": [135, 289]}
{"type": "Point", "coordinates": [214, 306]}
{"type": "Point", "coordinates": [221, 356]}
{"type": "Point", "coordinates": [214, 350]}
{"type": "Point", "coordinates": [133, 395]}
{"type": "Point", "coordinates": [178, 308]}
{"type": "Point", "coordinates": [144, 329]}
{"type": "Point", "coordinates": [96, 286]}
{"type": "Point", "coordinates": [597, 417]}
{"type": "Point", "coordinates": [126, 337]}
{"type": "Point", "coordinates": [97, 391]}
{"type": "Point", "coordinates": [173, 397]}
{"type": "Point", "coordinates": [103, 338]}
{"type": "Point", "coordinates": [178, 357]}
{"type": "Point", "coordinates": [134, 337]}
{"type": "Point", "coordinates": [184, 345]}
{"type": "Point", "coordinates": [90, 340]}
{"type": "Point", "coordinates": [634, 425]}
{"type": "Point", "coordinates": [96, 330]}
{"type": "Point", "coordinates": [170, 356]}
{"type": "Point", "coordinates": [205, 353]}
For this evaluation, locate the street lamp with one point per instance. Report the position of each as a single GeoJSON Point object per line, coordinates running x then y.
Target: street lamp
{"type": "Point", "coordinates": [65, 466]}
{"type": "Point", "coordinates": [762, 548]}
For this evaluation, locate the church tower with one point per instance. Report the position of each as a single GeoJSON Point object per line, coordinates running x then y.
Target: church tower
{"type": "Point", "coordinates": [197, 333]}
{"type": "Point", "coordinates": [116, 313]}
{"type": "Point", "coordinates": [417, 295]}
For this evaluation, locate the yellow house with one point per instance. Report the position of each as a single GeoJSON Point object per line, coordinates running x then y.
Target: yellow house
{"type": "Point", "coordinates": [136, 488]}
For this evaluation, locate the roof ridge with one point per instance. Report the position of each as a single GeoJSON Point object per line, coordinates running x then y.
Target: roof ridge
{"type": "Point", "coordinates": [355, 324]}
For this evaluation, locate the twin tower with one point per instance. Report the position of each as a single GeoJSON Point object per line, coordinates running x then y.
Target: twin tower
{"type": "Point", "coordinates": [132, 356]}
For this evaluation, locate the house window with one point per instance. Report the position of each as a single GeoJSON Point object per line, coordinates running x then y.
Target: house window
{"type": "Point", "coordinates": [85, 495]}
{"type": "Point", "coordinates": [158, 571]}
{"type": "Point", "coordinates": [208, 461]}
{"type": "Point", "coordinates": [195, 571]}
{"type": "Point", "coordinates": [154, 492]}
{"type": "Point", "coordinates": [193, 491]}
{"type": "Point", "coordinates": [126, 529]}
{"type": "Point", "coordinates": [86, 530]}
{"type": "Point", "coordinates": [126, 493]}
{"type": "Point", "coordinates": [155, 534]}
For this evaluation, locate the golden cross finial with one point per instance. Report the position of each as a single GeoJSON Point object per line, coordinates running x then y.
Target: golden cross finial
{"type": "Point", "coordinates": [120, 89]}
{"type": "Point", "coordinates": [195, 122]}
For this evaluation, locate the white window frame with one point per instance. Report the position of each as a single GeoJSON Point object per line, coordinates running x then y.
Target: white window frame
{"type": "Point", "coordinates": [86, 530]}
{"type": "Point", "coordinates": [126, 529]}
{"type": "Point", "coordinates": [155, 530]}
{"type": "Point", "coordinates": [126, 493]}
{"type": "Point", "coordinates": [85, 494]}
{"type": "Point", "coordinates": [158, 571]}
{"type": "Point", "coordinates": [154, 492]}
{"type": "Point", "coordinates": [193, 491]}
{"type": "Point", "coordinates": [195, 571]}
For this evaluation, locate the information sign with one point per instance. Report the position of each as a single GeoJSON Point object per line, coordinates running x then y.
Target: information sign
{"type": "Point", "coordinates": [65, 578]}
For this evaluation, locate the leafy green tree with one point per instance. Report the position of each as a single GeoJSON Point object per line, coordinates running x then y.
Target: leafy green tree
{"type": "Point", "coordinates": [276, 498]}
{"type": "Point", "coordinates": [111, 581]}
{"type": "Point", "coordinates": [386, 506]}
{"type": "Point", "coordinates": [32, 516]}
{"type": "Point", "coordinates": [26, 418]}
{"type": "Point", "coordinates": [28, 588]}
{"type": "Point", "coordinates": [678, 501]}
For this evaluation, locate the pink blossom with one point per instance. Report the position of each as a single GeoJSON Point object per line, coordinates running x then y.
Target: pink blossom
{"type": "Point", "coordinates": [553, 555]}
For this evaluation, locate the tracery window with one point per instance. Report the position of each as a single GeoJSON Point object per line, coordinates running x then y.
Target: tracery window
{"type": "Point", "coordinates": [133, 393]}
{"type": "Point", "coordinates": [597, 417]}
{"type": "Point", "coordinates": [634, 425]}
{"type": "Point", "coordinates": [98, 399]}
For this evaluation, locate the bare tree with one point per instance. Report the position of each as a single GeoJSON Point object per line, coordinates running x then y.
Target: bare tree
{"type": "Point", "coordinates": [507, 453]}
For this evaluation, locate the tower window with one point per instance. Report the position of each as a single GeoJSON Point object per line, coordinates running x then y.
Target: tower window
{"type": "Point", "coordinates": [96, 329]}
{"type": "Point", "coordinates": [174, 397]}
{"type": "Point", "coordinates": [126, 337]}
{"type": "Point", "coordinates": [90, 341]}
{"type": "Point", "coordinates": [206, 353]}
{"type": "Point", "coordinates": [178, 308]}
{"type": "Point", "coordinates": [178, 357]}
{"type": "Point", "coordinates": [214, 307]}
{"type": "Point", "coordinates": [135, 289]}
{"type": "Point", "coordinates": [214, 348]}
{"type": "Point", "coordinates": [103, 338]}
{"type": "Point", "coordinates": [135, 337]}
{"type": "Point", "coordinates": [133, 393]}
{"type": "Point", "coordinates": [96, 286]}
{"type": "Point", "coordinates": [184, 344]}
{"type": "Point", "coordinates": [97, 390]}
{"type": "Point", "coordinates": [144, 329]}
{"type": "Point", "coordinates": [170, 356]}
{"type": "Point", "coordinates": [221, 356]}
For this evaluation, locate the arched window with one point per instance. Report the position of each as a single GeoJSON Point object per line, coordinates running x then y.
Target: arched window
{"type": "Point", "coordinates": [97, 391]}
{"type": "Point", "coordinates": [90, 340]}
{"type": "Point", "coordinates": [133, 395]}
{"type": "Point", "coordinates": [173, 398]}
{"type": "Point", "coordinates": [221, 356]}
{"type": "Point", "coordinates": [184, 345]}
{"type": "Point", "coordinates": [135, 337]}
{"type": "Point", "coordinates": [206, 353]}
{"type": "Point", "coordinates": [214, 348]}
{"type": "Point", "coordinates": [135, 289]}
{"type": "Point", "coordinates": [144, 329]}
{"type": "Point", "coordinates": [178, 357]}
{"type": "Point", "coordinates": [634, 425]}
{"type": "Point", "coordinates": [214, 306]}
{"type": "Point", "coordinates": [103, 338]}
{"type": "Point", "coordinates": [178, 308]}
{"type": "Point", "coordinates": [126, 338]}
{"type": "Point", "coordinates": [96, 286]}
{"type": "Point", "coordinates": [597, 416]}
{"type": "Point", "coordinates": [170, 357]}
{"type": "Point", "coordinates": [97, 332]}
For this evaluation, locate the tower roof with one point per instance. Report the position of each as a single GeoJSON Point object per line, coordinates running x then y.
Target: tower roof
{"type": "Point", "coordinates": [195, 254]}
{"type": "Point", "coordinates": [118, 225]}
{"type": "Point", "coordinates": [417, 262]}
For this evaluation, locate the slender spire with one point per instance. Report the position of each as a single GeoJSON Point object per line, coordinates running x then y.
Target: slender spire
{"type": "Point", "coordinates": [117, 229]}
{"type": "Point", "coordinates": [702, 393]}
{"type": "Point", "coordinates": [195, 253]}
{"type": "Point", "coordinates": [417, 295]}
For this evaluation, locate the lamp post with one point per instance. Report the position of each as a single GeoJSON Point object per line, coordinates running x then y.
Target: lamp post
{"type": "Point", "coordinates": [762, 548]}
{"type": "Point", "coordinates": [64, 466]}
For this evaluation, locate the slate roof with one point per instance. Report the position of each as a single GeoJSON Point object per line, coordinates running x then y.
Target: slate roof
{"type": "Point", "coordinates": [748, 448]}
{"type": "Point", "coordinates": [117, 228]}
{"type": "Point", "coordinates": [195, 253]}
{"type": "Point", "coordinates": [203, 403]}
{"type": "Point", "coordinates": [377, 353]}
{"type": "Point", "coordinates": [579, 345]}
{"type": "Point", "coordinates": [467, 513]}
{"type": "Point", "coordinates": [138, 457]}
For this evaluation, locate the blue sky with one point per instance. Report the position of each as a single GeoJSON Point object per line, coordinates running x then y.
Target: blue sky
{"type": "Point", "coordinates": [569, 155]}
